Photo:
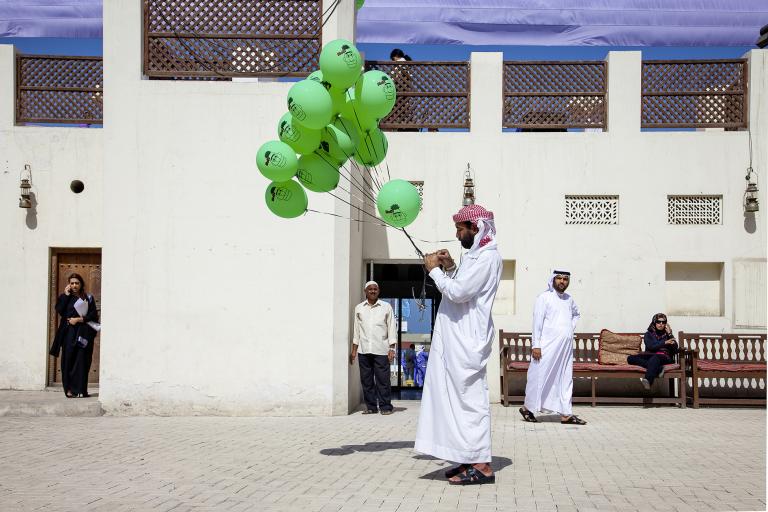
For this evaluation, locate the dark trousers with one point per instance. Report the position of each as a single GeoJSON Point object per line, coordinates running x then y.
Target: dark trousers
{"type": "Point", "coordinates": [374, 376]}
{"type": "Point", "coordinates": [653, 363]}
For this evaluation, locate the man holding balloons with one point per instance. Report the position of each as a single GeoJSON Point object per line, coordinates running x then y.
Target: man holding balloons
{"type": "Point", "coordinates": [455, 417]}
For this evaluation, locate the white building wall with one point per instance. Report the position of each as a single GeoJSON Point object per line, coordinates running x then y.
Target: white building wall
{"type": "Point", "coordinates": [618, 271]}
{"type": "Point", "coordinates": [211, 305]}
{"type": "Point", "coordinates": [59, 218]}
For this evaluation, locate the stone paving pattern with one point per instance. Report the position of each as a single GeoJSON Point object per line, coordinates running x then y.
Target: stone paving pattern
{"type": "Point", "coordinates": [625, 459]}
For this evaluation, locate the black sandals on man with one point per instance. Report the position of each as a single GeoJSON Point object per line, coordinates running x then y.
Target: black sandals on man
{"type": "Point", "coordinates": [528, 415]}
{"type": "Point", "coordinates": [473, 477]}
{"type": "Point", "coordinates": [370, 411]}
{"type": "Point", "coordinates": [458, 469]}
{"type": "Point", "coordinates": [573, 420]}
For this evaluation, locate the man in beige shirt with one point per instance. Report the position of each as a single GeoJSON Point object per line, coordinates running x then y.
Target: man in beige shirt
{"type": "Point", "coordinates": [374, 340]}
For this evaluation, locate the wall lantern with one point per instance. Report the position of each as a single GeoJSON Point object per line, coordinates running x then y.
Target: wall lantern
{"type": "Point", "coordinates": [469, 188]}
{"type": "Point", "coordinates": [750, 195]}
{"type": "Point", "coordinates": [25, 201]}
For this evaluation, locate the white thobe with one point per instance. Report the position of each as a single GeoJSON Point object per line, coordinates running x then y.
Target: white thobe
{"type": "Point", "coordinates": [550, 379]}
{"type": "Point", "coordinates": [455, 417]}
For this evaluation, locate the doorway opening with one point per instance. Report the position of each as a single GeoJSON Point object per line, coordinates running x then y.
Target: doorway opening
{"type": "Point", "coordinates": [87, 263]}
{"type": "Point", "coordinates": [401, 285]}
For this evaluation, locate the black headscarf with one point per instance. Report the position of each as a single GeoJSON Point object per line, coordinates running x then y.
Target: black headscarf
{"type": "Point", "coordinates": [652, 326]}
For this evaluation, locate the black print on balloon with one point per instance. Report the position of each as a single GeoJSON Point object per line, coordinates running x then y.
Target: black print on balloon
{"type": "Point", "coordinates": [388, 86]}
{"type": "Point", "coordinates": [287, 132]}
{"type": "Point", "coordinates": [274, 159]}
{"type": "Point", "coordinates": [395, 213]}
{"type": "Point", "coordinates": [280, 194]}
{"type": "Point", "coordinates": [305, 176]}
{"type": "Point", "coordinates": [349, 56]}
{"type": "Point", "coordinates": [296, 109]}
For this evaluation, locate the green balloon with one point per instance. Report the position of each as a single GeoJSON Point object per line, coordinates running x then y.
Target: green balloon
{"type": "Point", "coordinates": [338, 97]}
{"type": "Point", "coordinates": [302, 140]}
{"type": "Point", "coordinates": [375, 92]}
{"type": "Point", "coordinates": [350, 129]}
{"type": "Point", "coordinates": [353, 111]}
{"type": "Point", "coordinates": [317, 173]}
{"type": "Point", "coordinates": [276, 160]}
{"type": "Point", "coordinates": [286, 199]}
{"type": "Point", "coordinates": [398, 203]}
{"type": "Point", "coordinates": [336, 144]}
{"type": "Point", "coordinates": [372, 148]}
{"type": "Point", "coordinates": [340, 63]}
{"type": "Point", "coordinates": [310, 104]}
{"type": "Point", "coordinates": [359, 4]}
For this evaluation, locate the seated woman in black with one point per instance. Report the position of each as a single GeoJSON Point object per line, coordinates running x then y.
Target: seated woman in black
{"type": "Point", "coordinates": [74, 337]}
{"type": "Point", "coordinates": [660, 347]}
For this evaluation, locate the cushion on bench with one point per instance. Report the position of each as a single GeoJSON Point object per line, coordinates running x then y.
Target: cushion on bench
{"type": "Point", "coordinates": [614, 348]}
{"type": "Point", "coordinates": [727, 366]}
{"type": "Point", "coordinates": [581, 367]}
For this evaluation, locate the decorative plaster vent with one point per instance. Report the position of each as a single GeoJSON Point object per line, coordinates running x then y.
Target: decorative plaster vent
{"type": "Point", "coordinates": [420, 187]}
{"type": "Point", "coordinates": [591, 209]}
{"type": "Point", "coordinates": [695, 209]}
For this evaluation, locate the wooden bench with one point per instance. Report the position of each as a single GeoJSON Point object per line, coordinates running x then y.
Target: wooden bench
{"type": "Point", "coordinates": [515, 356]}
{"type": "Point", "coordinates": [724, 356]}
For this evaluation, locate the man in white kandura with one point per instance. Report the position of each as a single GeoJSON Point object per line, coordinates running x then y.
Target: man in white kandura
{"type": "Point", "coordinates": [455, 417]}
{"type": "Point", "coordinates": [550, 375]}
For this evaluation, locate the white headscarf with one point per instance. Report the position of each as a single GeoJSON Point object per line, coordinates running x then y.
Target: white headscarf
{"type": "Point", "coordinates": [551, 282]}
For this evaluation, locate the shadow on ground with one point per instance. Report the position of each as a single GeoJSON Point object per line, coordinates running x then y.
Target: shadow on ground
{"type": "Point", "coordinates": [349, 449]}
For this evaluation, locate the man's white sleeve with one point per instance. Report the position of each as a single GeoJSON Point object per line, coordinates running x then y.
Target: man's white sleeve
{"type": "Point", "coordinates": [465, 285]}
{"type": "Point", "coordinates": [356, 328]}
{"type": "Point", "coordinates": [539, 314]}
{"type": "Point", "coordinates": [575, 316]}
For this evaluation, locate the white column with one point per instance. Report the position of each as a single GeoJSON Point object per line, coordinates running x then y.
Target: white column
{"type": "Point", "coordinates": [624, 91]}
{"type": "Point", "coordinates": [486, 102]}
{"type": "Point", "coordinates": [7, 86]}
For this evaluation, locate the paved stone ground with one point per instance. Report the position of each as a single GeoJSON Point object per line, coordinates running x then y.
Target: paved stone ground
{"type": "Point", "coordinates": [626, 458]}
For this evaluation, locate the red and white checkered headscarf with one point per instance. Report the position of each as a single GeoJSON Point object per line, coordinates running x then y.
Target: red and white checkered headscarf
{"type": "Point", "coordinates": [483, 219]}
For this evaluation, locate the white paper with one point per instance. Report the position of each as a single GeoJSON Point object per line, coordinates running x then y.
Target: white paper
{"type": "Point", "coordinates": [81, 306]}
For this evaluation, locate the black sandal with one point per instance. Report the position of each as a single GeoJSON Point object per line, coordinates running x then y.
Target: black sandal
{"type": "Point", "coordinates": [528, 415]}
{"type": "Point", "coordinates": [473, 477]}
{"type": "Point", "coordinates": [369, 411]}
{"type": "Point", "coordinates": [573, 420]}
{"type": "Point", "coordinates": [457, 470]}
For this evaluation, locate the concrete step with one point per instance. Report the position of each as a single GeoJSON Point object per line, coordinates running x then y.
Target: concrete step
{"type": "Point", "coordinates": [47, 403]}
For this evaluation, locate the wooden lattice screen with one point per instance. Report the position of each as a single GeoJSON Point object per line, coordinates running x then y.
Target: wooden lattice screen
{"type": "Point", "coordinates": [429, 94]}
{"type": "Point", "coordinates": [700, 93]}
{"type": "Point", "coordinates": [58, 89]}
{"type": "Point", "coordinates": [554, 95]}
{"type": "Point", "coordinates": [199, 38]}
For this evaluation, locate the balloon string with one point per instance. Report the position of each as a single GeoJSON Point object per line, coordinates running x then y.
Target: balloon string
{"type": "Point", "coordinates": [351, 179]}
{"type": "Point", "coordinates": [379, 223]}
{"type": "Point", "coordinates": [349, 158]}
{"type": "Point", "coordinates": [366, 137]}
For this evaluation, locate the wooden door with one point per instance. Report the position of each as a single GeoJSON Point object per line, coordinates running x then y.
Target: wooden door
{"type": "Point", "coordinates": [87, 263]}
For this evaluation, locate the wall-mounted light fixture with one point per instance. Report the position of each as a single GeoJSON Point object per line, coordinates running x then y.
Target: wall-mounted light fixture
{"type": "Point", "coordinates": [469, 187]}
{"type": "Point", "coordinates": [25, 201]}
{"type": "Point", "coordinates": [751, 204]}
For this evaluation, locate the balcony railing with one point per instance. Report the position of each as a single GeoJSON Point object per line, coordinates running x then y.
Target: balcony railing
{"type": "Point", "coordinates": [430, 95]}
{"type": "Point", "coordinates": [695, 94]}
{"type": "Point", "coordinates": [554, 95]}
{"type": "Point", "coordinates": [58, 89]}
{"type": "Point", "coordinates": [186, 39]}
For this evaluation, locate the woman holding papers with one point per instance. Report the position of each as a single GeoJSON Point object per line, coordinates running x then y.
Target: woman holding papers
{"type": "Point", "coordinates": [75, 335]}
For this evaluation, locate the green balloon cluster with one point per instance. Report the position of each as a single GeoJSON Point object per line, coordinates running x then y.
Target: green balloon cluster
{"type": "Point", "coordinates": [286, 199]}
{"type": "Point", "coordinates": [398, 203]}
{"type": "Point", "coordinates": [276, 160]}
{"type": "Point", "coordinates": [332, 116]}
